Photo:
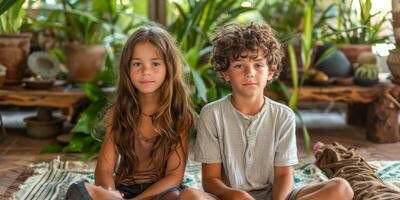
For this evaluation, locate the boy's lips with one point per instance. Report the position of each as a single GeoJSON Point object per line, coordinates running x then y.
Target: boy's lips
{"type": "Point", "coordinates": [249, 84]}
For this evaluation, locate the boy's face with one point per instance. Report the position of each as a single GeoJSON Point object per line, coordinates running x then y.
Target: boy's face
{"type": "Point", "coordinates": [247, 75]}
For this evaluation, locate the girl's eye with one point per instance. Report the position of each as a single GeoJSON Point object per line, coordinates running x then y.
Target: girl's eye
{"type": "Point", "coordinates": [136, 64]}
{"type": "Point", "coordinates": [156, 64]}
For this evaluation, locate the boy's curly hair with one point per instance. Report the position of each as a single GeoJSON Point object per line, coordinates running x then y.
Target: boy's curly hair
{"type": "Point", "coordinates": [232, 40]}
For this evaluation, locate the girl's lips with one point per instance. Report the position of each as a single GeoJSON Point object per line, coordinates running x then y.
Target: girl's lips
{"type": "Point", "coordinates": [144, 82]}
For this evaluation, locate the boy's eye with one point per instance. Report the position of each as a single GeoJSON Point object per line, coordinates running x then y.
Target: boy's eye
{"type": "Point", "coordinates": [238, 66]}
{"type": "Point", "coordinates": [259, 65]}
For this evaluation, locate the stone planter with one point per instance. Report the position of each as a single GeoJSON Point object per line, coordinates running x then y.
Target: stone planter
{"type": "Point", "coordinates": [14, 51]}
{"type": "Point", "coordinates": [84, 62]}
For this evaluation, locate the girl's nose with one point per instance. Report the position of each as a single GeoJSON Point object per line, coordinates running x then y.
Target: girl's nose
{"type": "Point", "coordinates": [146, 70]}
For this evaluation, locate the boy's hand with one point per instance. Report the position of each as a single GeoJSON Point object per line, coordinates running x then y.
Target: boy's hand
{"type": "Point", "coordinates": [239, 195]}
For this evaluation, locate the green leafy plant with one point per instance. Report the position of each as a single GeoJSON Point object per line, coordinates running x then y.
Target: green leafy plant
{"type": "Point", "coordinates": [192, 29]}
{"type": "Point", "coordinates": [88, 132]}
{"type": "Point", "coordinates": [86, 138]}
{"type": "Point", "coordinates": [11, 16]}
{"type": "Point", "coordinates": [289, 26]}
{"type": "Point", "coordinates": [307, 46]}
{"type": "Point", "coordinates": [87, 22]}
{"type": "Point", "coordinates": [356, 26]}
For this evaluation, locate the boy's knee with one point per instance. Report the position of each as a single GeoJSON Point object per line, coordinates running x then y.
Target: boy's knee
{"type": "Point", "coordinates": [341, 188]}
{"type": "Point", "coordinates": [170, 195]}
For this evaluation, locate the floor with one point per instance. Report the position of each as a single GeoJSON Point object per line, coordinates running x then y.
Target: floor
{"type": "Point", "coordinates": [18, 150]}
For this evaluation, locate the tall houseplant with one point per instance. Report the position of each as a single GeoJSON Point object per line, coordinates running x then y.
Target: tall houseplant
{"type": "Point", "coordinates": [306, 50]}
{"type": "Point", "coordinates": [192, 29]}
{"type": "Point", "coordinates": [14, 46]}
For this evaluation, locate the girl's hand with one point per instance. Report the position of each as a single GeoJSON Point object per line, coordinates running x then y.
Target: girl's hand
{"type": "Point", "coordinates": [116, 192]}
{"type": "Point", "coordinates": [100, 193]}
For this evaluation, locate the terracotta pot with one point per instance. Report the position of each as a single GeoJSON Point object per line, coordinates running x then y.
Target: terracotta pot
{"type": "Point", "coordinates": [393, 63]}
{"type": "Point", "coordinates": [84, 62]}
{"type": "Point", "coordinates": [14, 51]}
{"type": "Point", "coordinates": [353, 50]}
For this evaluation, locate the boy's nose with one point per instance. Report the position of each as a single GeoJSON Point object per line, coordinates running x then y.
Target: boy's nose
{"type": "Point", "coordinates": [250, 71]}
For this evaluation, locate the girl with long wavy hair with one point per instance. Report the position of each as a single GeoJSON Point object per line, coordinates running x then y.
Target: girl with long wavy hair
{"type": "Point", "coordinates": [144, 152]}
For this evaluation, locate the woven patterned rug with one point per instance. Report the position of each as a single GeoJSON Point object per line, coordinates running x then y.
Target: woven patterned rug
{"type": "Point", "coordinates": [51, 179]}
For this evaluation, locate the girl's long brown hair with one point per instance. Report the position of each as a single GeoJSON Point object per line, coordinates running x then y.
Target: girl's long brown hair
{"type": "Point", "coordinates": [172, 120]}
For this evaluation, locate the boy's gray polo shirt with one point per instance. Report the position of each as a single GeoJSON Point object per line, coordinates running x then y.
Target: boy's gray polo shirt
{"type": "Point", "coordinates": [247, 146]}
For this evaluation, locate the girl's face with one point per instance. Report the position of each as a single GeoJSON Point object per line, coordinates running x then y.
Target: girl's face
{"type": "Point", "coordinates": [147, 68]}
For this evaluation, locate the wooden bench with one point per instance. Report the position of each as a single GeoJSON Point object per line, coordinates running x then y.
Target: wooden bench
{"type": "Point", "coordinates": [375, 107]}
{"type": "Point", "coordinates": [58, 97]}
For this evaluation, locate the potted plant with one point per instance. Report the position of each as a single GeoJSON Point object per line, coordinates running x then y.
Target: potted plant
{"type": "Point", "coordinates": [290, 27]}
{"type": "Point", "coordinates": [14, 46]}
{"type": "Point", "coordinates": [81, 27]}
{"type": "Point", "coordinates": [355, 31]}
{"type": "Point", "coordinates": [367, 72]}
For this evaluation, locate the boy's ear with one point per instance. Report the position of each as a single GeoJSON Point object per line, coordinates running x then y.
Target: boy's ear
{"type": "Point", "coordinates": [271, 72]}
{"type": "Point", "coordinates": [225, 76]}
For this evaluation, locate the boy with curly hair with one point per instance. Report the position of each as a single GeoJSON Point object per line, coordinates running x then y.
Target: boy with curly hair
{"type": "Point", "coordinates": [246, 142]}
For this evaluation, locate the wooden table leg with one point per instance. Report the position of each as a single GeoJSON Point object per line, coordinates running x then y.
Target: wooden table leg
{"type": "Point", "coordinates": [357, 114]}
{"type": "Point", "coordinates": [2, 129]}
{"type": "Point", "coordinates": [382, 120]}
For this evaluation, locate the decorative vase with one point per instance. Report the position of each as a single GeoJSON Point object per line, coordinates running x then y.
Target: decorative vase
{"type": "Point", "coordinates": [14, 51]}
{"type": "Point", "coordinates": [335, 65]}
{"type": "Point", "coordinates": [393, 63]}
